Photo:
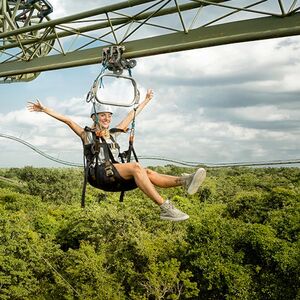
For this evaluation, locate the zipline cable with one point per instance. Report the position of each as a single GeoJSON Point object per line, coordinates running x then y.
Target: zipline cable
{"type": "Point", "coordinates": [40, 152]}
{"type": "Point", "coordinates": [159, 158]}
{"type": "Point", "coordinates": [53, 269]}
{"type": "Point", "coordinates": [219, 165]}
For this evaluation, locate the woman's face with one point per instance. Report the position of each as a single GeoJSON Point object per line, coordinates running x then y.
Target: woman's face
{"type": "Point", "coordinates": [105, 119]}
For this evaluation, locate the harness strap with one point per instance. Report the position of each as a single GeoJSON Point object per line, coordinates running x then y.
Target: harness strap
{"type": "Point", "coordinates": [127, 154]}
{"type": "Point", "coordinates": [86, 172]}
{"type": "Point", "coordinates": [115, 130]}
{"type": "Point", "coordinates": [87, 160]}
{"type": "Point", "coordinates": [108, 151]}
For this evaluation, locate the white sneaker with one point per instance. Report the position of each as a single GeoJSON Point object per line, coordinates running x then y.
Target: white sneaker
{"type": "Point", "coordinates": [169, 212]}
{"type": "Point", "coordinates": [194, 181]}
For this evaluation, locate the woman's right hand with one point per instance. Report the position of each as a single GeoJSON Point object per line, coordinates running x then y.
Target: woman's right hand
{"type": "Point", "coordinates": [35, 106]}
{"type": "Point", "coordinates": [39, 107]}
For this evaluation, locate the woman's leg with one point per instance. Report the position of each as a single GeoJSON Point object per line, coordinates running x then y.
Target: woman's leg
{"type": "Point", "coordinates": [146, 178]}
{"type": "Point", "coordinates": [165, 181]}
{"type": "Point", "coordinates": [191, 182]}
{"type": "Point", "coordinates": [135, 170]}
{"type": "Point", "coordinates": [142, 178]}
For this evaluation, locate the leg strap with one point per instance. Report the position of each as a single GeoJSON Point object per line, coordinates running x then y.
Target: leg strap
{"type": "Point", "coordinates": [86, 171]}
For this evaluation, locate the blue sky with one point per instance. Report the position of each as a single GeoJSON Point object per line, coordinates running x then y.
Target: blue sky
{"type": "Point", "coordinates": [229, 103]}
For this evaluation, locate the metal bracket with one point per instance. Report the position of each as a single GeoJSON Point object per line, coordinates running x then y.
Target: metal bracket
{"type": "Point", "coordinates": [45, 8]}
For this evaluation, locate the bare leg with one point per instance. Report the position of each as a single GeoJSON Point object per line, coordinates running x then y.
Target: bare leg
{"type": "Point", "coordinates": [135, 170]}
{"type": "Point", "coordinates": [164, 181]}
{"type": "Point", "coordinates": [145, 179]}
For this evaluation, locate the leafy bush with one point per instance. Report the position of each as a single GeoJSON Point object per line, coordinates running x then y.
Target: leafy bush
{"type": "Point", "coordinates": [241, 241]}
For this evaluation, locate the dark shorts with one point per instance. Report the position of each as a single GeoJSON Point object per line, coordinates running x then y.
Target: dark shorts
{"type": "Point", "coordinates": [105, 183]}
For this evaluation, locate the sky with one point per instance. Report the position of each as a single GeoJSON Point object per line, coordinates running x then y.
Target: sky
{"type": "Point", "coordinates": [223, 104]}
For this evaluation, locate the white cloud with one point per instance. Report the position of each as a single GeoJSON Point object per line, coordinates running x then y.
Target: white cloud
{"type": "Point", "coordinates": [66, 8]}
{"type": "Point", "coordinates": [291, 80]}
{"type": "Point", "coordinates": [22, 118]}
{"type": "Point", "coordinates": [262, 113]}
{"type": "Point", "coordinates": [258, 66]}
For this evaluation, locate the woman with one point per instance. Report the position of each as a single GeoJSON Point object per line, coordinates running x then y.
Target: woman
{"type": "Point", "coordinates": [131, 174]}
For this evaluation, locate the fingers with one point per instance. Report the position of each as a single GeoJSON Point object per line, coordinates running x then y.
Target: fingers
{"type": "Point", "coordinates": [149, 94]}
{"type": "Point", "coordinates": [35, 106]}
{"type": "Point", "coordinates": [30, 106]}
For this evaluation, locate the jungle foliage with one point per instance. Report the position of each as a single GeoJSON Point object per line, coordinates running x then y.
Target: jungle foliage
{"type": "Point", "coordinates": [241, 241]}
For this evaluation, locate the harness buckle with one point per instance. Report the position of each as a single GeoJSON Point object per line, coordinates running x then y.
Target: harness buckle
{"type": "Point", "coordinates": [92, 172]}
{"type": "Point", "coordinates": [108, 169]}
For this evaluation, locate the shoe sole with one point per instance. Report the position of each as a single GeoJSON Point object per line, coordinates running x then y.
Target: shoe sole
{"type": "Point", "coordinates": [175, 219]}
{"type": "Point", "coordinates": [198, 179]}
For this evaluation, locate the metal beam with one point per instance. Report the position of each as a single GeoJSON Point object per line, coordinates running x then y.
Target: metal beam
{"type": "Point", "coordinates": [235, 32]}
{"type": "Point", "coordinates": [86, 14]}
{"type": "Point", "coordinates": [98, 25]}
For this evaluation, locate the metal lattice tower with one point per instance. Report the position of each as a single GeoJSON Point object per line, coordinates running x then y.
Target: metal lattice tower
{"type": "Point", "coordinates": [19, 14]}
{"type": "Point", "coordinates": [31, 43]}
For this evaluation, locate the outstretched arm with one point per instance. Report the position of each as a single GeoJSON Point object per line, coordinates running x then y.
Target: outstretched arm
{"type": "Point", "coordinates": [128, 119]}
{"type": "Point", "coordinates": [39, 107]}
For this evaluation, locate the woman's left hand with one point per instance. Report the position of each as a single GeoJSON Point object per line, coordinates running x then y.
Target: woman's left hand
{"type": "Point", "coordinates": [149, 95]}
{"type": "Point", "coordinates": [125, 123]}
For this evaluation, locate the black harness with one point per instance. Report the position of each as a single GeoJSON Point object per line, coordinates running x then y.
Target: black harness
{"type": "Point", "coordinates": [113, 181]}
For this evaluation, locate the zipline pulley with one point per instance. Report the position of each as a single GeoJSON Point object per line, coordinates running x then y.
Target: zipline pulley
{"type": "Point", "coordinates": [112, 59]}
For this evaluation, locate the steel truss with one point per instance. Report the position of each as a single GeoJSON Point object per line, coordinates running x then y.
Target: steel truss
{"type": "Point", "coordinates": [35, 43]}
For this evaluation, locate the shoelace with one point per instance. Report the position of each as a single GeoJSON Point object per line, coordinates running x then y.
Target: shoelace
{"type": "Point", "coordinates": [187, 178]}
{"type": "Point", "coordinates": [170, 205]}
